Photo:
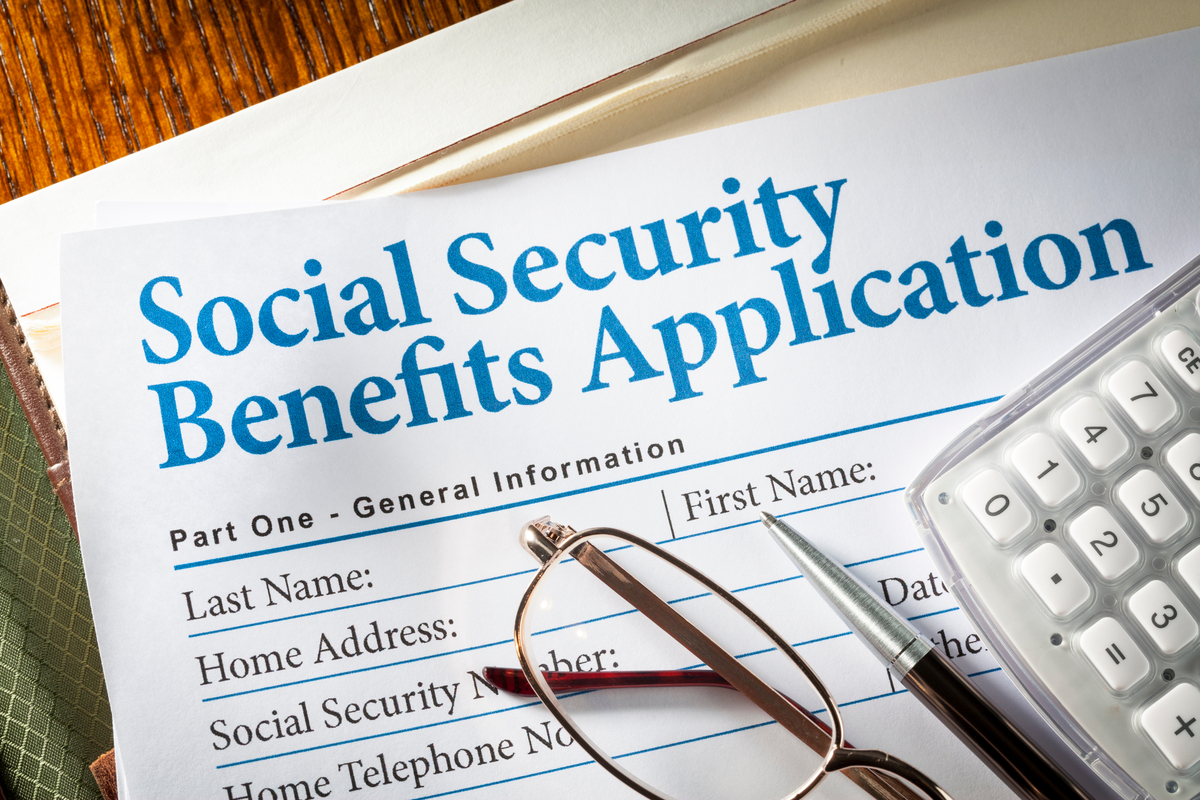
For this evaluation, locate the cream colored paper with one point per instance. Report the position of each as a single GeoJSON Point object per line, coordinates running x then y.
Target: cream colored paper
{"type": "Point", "coordinates": [807, 53]}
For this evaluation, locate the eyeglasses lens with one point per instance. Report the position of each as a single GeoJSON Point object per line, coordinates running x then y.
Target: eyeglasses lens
{"type": "Point", "coordinates": [688, 742]}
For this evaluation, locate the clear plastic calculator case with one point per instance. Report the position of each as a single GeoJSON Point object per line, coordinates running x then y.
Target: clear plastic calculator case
{"type": "Point", "coordinates": [1067, 523]}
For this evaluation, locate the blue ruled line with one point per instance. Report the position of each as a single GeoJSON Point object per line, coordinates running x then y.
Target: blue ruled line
{"type": "Point", "coordinates": [586, 489]}
{"type": "Point", "coordinates": [531, 571]}
{"type": "Point", "coordinates": [508, 641]}
{"type": "Point", "coordinates": [546, 498]}
{"type": "Point", "coordinates": [387, 734]}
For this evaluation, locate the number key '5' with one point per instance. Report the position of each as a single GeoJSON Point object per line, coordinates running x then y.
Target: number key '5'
{"type": "Point", "coordinates": [1152, 506]}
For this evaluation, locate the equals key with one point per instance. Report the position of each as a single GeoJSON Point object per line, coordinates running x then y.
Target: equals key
{"type": "Point", "coordinates": [1114, 654]}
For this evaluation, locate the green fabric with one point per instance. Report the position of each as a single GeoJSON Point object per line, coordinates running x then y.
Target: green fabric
{"type": "Point", "coordinates": [54, 715]}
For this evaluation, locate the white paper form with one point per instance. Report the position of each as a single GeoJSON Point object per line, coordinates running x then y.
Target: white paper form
{"type": "Point", "coordinates": [812, 303]}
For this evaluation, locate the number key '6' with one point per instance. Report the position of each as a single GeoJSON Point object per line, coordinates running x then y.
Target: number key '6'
{"type": "Point", "coordinates": [1183, 457]}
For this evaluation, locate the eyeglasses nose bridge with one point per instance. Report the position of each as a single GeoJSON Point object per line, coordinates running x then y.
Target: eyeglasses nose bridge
{"type": "Point", "coordinates": [541, 538]}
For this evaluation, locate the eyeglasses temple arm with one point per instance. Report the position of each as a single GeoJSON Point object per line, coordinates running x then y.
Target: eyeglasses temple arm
{"type": "Point", "coordinates": [513, 680]}
{"type": "Point", "coordinates": [700, 645]}
{"type": "Point", "coordinates": [880, 762]}
{"type": "Point", "coordinates": [807, 730]}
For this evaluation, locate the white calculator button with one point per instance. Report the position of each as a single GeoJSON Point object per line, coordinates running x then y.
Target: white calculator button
{"type": "Point", "coordinates": [1173, 723]}
{"type": "Point", "coordinates": [991, 498]}
{"type": "Point", "coordinates": [1183, 458]}
{"type": "Point", "coordinates": [1189, 570]}
{"type": "Point", "coordinates": [1151, 504]}
{"type": "Point", "coordinates": [1182, 352]}
{"type": "Point", "coordinates": [1039, 460]}
{"type": "Point", "coordinates": [1114, 654]}
{"type": "Point", "coordinates": [1092, 430]}
{"type": "Point", "coordinates": [1055, 580]}
{"type": "Point", "coordinates": [1104, 542]}
{"type": "Point", "coordinates": [1142, 395]}
{"type": "Point", "coordinates": [1159, 612]}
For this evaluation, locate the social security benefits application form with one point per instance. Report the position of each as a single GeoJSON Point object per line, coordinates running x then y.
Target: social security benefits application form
{"type": "Point", "coordinates": [304, 441]}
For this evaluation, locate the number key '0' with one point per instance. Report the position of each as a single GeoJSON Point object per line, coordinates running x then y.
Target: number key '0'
{"type": "Point", "coordinates": [992, 501]}
{"type": "Point", "coordinates": [1092, 431]}
{"type": "Point", "coordinates": [1152, 506]}
{"type": "Point", "coordinates": [1142, 396]}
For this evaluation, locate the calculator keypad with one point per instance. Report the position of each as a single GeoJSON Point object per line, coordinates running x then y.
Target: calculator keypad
{"type": "Point", "coordinates": [1091, 501]}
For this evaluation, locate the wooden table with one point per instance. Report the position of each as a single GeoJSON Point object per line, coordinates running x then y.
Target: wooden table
{"type": "Point", "coordinates": [88, 81]}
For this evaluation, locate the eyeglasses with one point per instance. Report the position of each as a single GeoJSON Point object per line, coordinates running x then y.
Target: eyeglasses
{"type": "Point", "coordinates": [596, 608]}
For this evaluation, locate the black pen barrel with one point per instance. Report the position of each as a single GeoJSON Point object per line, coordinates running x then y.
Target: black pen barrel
{"type": "Point", "coordinates": [1009, 753]}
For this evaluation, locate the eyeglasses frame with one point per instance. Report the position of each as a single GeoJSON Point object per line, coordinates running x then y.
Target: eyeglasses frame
{"type": "Point", "coordinates": [551, 542]}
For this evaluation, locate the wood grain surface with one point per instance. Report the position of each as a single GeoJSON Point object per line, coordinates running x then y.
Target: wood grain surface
{"type": "Point", "coordinates": [88, 81]}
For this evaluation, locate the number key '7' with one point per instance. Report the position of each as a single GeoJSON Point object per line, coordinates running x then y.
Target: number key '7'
{"type": "Point", "coordinates": [1148, 393]}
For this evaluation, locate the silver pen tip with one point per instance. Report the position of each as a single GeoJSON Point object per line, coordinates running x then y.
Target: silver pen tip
{"type": "Point", "coordinates": [767, 519]}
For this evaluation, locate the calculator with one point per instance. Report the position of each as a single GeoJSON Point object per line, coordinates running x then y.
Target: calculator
{"type": "Point", "coordinates": [1067, 523]}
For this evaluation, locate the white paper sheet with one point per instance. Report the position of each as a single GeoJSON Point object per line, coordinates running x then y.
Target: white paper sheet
{"type": "Point", "coordinates": [1046, 151]}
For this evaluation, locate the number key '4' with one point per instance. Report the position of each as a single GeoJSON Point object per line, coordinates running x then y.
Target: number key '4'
{"type": "Point", "coordinates": [1091, 429]}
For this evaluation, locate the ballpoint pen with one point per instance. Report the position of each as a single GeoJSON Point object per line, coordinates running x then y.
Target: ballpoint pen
{"type": "Point", "coordinates": [924, 671]}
